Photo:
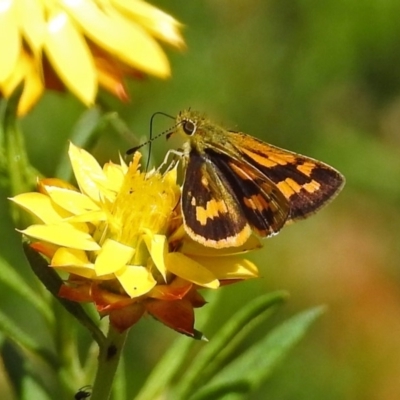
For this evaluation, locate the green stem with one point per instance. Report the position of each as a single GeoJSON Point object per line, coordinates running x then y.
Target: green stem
{"type": "Point", "coordinates": [110, 353]}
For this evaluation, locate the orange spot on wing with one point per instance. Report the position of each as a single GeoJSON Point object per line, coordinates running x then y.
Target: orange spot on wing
{"type": "Point", "coordinates": [306, 168]}
{"type": "Point", "coordinates": [261, 160]}
{"type": "Point", "coordinates": [212, 210]}
{"type": "Point", "coordinates": [256, 202]}
{"type": "Point", "coordinates": [312, 186]}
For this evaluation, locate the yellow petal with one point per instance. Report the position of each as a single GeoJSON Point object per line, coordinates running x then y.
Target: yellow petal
{"type": "Point", "coordinates": [33, 89]}
{"type": "Point", "coordinates": [128, 41]}
{"type": "Point", "coordinates": [74, 262]}
{"type": "Point", "coordinates": [32, 23]}
{"type": "Point", "coordinates": [92, 217]}
{"type": "Point", "coordinates": [171, 176]}
{"type": "Point", "coordinates": [10, 41]}
{"type": "Point", "coordinates": [70, 57]}
{"type": "Point", "coordinates": [190, 270]}
{"type": "Point", "coordinates": [158, 248]}
{"type": "Point", "coordinates": [229, 267]}
{"type": "Point", "coordinates": [64, 256]}
{"type": "Point", "coordinates": [159, 23]}
{"type": "Point", "coordinates": [88, 172]}
{"type": "Point", "coordinates": [136, 281]}
{"type": "Point", "coordinates": [17, 75]}
{"type": "Point", "coordinates": [123, 165]}
{"type": "Point", "coordinates": [72, 201]}
{"type": "Point", "coordinates": [45, 182]}
{"type": "Point", "coordinates": [115, 175]}
{"type": "Point", "coordinates": [84, 272]}
{"type": "Point", "coordinates": [41, 206]}
{"type": "Point", "coordinates": [26, 70]}
{"type": "Point", "coordinates": [66, 235]}
{"type": "Point", "coordinates": [112, 257]}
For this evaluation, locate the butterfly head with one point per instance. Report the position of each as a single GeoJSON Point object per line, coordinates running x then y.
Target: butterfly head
{"type": "Point", "coordinates": [196, 130]}
{"type": "Point", "coordinates": [188, 123]}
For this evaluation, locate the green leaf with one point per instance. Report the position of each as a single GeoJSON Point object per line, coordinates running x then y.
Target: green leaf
{"type": "Point", "coordinates": [31, 389]}
{"type": "Point", "coordinates": [165, 369]}
{"type": "Point", "coordinates": [86, 133]}
{"type": "Point", "coordinates": [24, 341]}
{"type": "Point", "coordinates": [14, 280]}
{"type": "Point", "coordinates": [173, 359]}
{"type": "Point", "coordinates": [254, 366]}
{"type": "Point", "coordinates": [213, 356]}
{"type": "Point", "coordinates": [23, 369]}
{"type": "Point", "coordinates": [21, 175]}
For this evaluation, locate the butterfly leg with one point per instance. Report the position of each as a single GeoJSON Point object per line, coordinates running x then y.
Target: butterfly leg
{"type": "Point", "coordinates": [176, 157]}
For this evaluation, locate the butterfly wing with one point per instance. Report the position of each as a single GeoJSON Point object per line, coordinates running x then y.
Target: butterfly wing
{"type": "Point", "coordinates": [223, 200]}
{"type": "Point", "coordinates": [210, 211]}
{"type": "Point", "coordinates": [308, 184]}
{"type": "Point", "coordinates": [264, 205]}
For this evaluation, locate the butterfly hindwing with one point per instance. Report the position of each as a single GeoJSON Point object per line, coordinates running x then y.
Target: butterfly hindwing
{"type": "Point", "coordinates": [210, 210]}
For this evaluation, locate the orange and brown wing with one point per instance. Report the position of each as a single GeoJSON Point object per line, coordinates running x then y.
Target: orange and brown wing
{"type": "Point", "coordinates": [211, 213]}
{"type": "Point", "coordinates": [223, 200]}
{"type": "Point", "coordinates": [308, 184]}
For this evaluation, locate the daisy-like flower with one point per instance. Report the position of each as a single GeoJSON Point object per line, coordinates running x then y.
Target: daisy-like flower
{"type": "Point", "coordinates": [120, 239]}
{"type": "Point", "coordinates": [81, 44]}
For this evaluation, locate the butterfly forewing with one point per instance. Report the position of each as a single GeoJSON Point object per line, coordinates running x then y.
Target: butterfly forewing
{"type": "Point", "coordinates": [307, 184]}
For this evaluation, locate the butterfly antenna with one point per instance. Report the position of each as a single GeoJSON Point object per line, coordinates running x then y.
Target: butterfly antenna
{"type": "Point", "coordinates": [149, 142]}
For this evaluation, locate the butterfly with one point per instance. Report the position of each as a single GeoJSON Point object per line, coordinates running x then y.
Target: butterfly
{"type": "Point", "coordinates": [235, 185]}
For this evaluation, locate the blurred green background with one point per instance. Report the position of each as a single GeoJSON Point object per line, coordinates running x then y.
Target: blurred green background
{"type": "Point", "coordinates": [320, 78]}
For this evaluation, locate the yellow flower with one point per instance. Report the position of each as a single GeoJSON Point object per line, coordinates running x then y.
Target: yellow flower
{"type": "Point", "coordinates": [80, 44]}
{"type": "Point", "coordinates": [121, 240]}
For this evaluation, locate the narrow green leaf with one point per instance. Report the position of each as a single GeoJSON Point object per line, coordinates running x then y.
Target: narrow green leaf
{"type": "Point", "coordinates": [31, 389]}
{"type": "Point", "coordinates": [53, 282]}
{"type": "Point", "coordinates": [13, 332]}
{"type": "Point", "coordinates": [23, 367]}
{"type": "Point", "coordinates": [121, 128]}
{"type": "Point", "coordinates": [212, 356]}
{"type": "Point", "coordinates": [166, 369]}
{"type": "Point", "coordinates": [21, 175]}
{"type": "Point", "coordinates": [14, 281]}
{"type": "Point", "coordinates": [257, 363]}
{"type": "Point", "coordinates": [87, 132]}
{"type": "Point", "coordinates": [231, 391]}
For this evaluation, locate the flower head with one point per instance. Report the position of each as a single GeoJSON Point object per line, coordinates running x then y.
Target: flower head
{"type": "Point", "coordinates": [120, 239]}
{"type": "Point", "coordinates": [81, 44]}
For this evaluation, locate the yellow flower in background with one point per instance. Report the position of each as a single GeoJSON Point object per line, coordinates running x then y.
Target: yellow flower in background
{"type": "Point", "coordinates": [120, 239]}
{"type": "Point", "coordinates": [81, 44]}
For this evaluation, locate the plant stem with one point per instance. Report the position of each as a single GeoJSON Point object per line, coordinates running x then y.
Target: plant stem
{"type": "Point", "coordinates": [110, 353]}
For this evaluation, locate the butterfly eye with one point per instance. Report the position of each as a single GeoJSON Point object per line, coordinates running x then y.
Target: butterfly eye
{"type": "Point", "coordinates": [189, 127]}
